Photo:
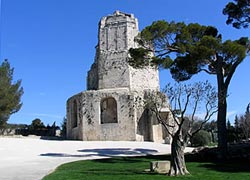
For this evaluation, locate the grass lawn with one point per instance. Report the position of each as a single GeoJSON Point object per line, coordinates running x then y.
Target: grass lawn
{"type": "Point", "coordinates": [133, 168]}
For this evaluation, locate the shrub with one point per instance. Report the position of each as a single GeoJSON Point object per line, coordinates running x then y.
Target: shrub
{"type": "Point", "coordinates": [202, 138]}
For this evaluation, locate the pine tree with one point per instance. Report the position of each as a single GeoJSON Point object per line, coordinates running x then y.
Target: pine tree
{"type": "Point", "coordinates": [188, 49]}
{"type": "Point", "coordinates": [10, 94]}
{"type": "Point", "coordinates": [238, 13]}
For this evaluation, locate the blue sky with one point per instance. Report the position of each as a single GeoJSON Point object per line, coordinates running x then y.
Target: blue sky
{"type": "Point", "coordinates": [51, 45]}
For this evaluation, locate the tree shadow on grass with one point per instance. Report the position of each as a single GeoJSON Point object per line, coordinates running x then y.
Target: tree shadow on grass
{"type": "Point", "coordinates": [229, 166]}
{"type": "Point", "coordinates": [208, 158]}
{"type": "Point", "coordinates": [135, 159]}
{"type": "Point", "coordinates": [211, 162]}
{"type": "Point", "coordinates": [113, 172]}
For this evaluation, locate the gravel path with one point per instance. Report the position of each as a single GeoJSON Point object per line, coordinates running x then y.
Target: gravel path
{"type": "Point", "coordinates": [33, 158]}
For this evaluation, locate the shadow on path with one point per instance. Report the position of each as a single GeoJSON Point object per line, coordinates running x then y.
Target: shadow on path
{"type": "Point", "coordinates": [105, 152]}
{"type": "Point", "coordinates": [63, 155]}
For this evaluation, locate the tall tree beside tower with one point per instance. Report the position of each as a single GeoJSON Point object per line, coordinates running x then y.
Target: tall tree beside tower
{"type": "Point", "coordinates": [190, 49]}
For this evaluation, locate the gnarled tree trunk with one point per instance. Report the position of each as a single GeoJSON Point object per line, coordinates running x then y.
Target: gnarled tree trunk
{"type": "Point", "coordinates": [177, 164]}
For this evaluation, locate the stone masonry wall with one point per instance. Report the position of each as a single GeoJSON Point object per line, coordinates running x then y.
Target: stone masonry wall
{"type": "Point", "coordinates": [146, 78]}
{"type": "Point", "coordinates": [89, 116]}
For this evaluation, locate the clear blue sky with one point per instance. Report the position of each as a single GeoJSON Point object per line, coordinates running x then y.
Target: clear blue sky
{"type": "Point", "coordinates": [51, 45]}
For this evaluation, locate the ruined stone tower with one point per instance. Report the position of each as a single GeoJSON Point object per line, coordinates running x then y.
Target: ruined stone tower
{"type": "Point", "coordinates": [111, 68]}
{"type": "Point", "coordinates": [109, 109]}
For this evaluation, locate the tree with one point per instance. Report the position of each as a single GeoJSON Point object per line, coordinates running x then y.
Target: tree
{"type": "Point", "coordinates": [187, 50]}
{"type": "Point", "coordinates": [64, 127]}
{"type": "Point", "coordinates": [238, 13]}
{"type": "Point", "coordinates": [184, 100]}
{"type": "Point", "coordinates": [237, 128]}
{"type": "Point", "coordinates": [10, 94]}
{"type": "Point", "coordinates": [211, 127]}
{"type": "Point", "coordinates": [36, 124]}
{"type": "Point", "coordinates": [231, 133]}
{"type": "Point", "coordinates": [244, 123]}
{"type": "Point", "coordinates": [202, 138]}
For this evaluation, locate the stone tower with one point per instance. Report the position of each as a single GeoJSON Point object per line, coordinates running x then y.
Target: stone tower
{"type": "Point", "coordinates": [111, 68]}
{"type": "Point", "coordinates": [109, 109]}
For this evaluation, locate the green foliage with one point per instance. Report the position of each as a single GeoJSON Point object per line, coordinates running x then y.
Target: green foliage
{"type": "Point", "coordinates": [141, 55]}
{"type": "Point", "coordinates": [244, 123]}
{"type": "Point", "coordinates": [241, 129]}
{"type": "Point", "coordinates": [238, 13]}
{"type": "Point", "coordinates": [36, 124]}
{"type": "Point", "coordinates": [194, 48]}
{"type": "Point", "coordinates": [64, 127]}
{"type": "Point", "coordinates": [202, 138]}
{"type": "Point", "coordinates": [231, 133]}
{"type": "Point", "coordinates": [38, 128]}
{"type": "Point", "coordinates": [10, 93]}
{"type": "Point", "coordinates": [187, 49]}
{"type": "Point", "coordinates": [210, 126]}
{"type": "Point", "coordinates": [16, 126]}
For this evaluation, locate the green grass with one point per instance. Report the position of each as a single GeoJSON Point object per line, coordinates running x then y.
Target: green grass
{"type": "Point", "coordinates": [133, 168]}
{"type": "Point", "coordinates": [212, 144]}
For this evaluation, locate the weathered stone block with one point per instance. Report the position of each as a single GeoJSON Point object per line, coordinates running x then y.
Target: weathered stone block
{"type": "Point", "coordinates": [160, 166]}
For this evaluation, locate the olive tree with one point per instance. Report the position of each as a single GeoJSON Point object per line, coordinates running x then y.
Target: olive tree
{"type": "Point", "coordinates": [185, 101]}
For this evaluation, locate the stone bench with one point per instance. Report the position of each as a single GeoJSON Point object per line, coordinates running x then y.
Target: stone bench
{"type": "Point", "coordinates": [160, 166]}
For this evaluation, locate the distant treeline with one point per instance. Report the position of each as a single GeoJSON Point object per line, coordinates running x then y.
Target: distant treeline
{"type": "Point", "coordinates": [35, 128]}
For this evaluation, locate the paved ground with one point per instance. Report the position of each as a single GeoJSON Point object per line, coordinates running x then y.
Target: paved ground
{"type": "Point", "coordinates": [33, 158]}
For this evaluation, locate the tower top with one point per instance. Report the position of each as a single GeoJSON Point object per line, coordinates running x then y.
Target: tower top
{"type": "Point", "coordinates": [117, 13]}
{"type": "Point", "coordinates": [117, 32]}
{"type": "Point", "coordinates": [111, 69]}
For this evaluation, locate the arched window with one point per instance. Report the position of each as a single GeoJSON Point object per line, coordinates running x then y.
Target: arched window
{"type": "Point", "coordinates": [74, 114]}
{"type": "Point", "coordinates": [108, 110]}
